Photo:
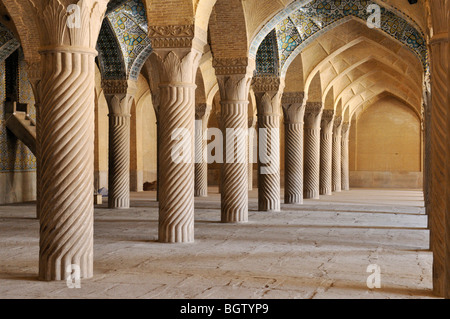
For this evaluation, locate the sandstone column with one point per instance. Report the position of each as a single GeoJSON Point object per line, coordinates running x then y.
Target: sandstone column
{"type": "Point", "coordinates": [313, 113]}
{"type": "Point", "coordinates": [268, 92]}
{"type": "Point", "coordinates": [119, 95]}
{"type": "Point", "coordinates": [294, 111]}
{"type": "Point", "coordinates": [326, 152]}
{"type": "Point", "coordinates": [234, 78]}
{"type": "Point", "coordinates": [336, 164]}
{"type": "Point", "coordinates": [201, 164]}
{"type": "Point", "coordinates": [66, 132]}
{"type": "Point", "coordinates": [251, 136]}
{"type": "Point", "coordinates": [345, 175]}
{"type": "Point", "coordinates": [439, 219]}
{"type": "Point", "coordinates": [176, 62]}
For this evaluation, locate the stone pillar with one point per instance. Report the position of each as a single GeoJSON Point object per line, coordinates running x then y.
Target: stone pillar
{"type": "Point", "coordinates": [220, 123]}
{"type": "Point", "coordinates": [268, 92]}
{"type": "Point", "coordinates": [34, 76]}
{"type": "Point", "coordinates": [439, 219]}
{"type": "Point", "coordinates": [176, 62]}
{"type": "Point", "coordinates": [326, 152]}
{"type": "Point", "coordinates": [345, 174]}
{"type": "Point", "coordinates": [294, 111]}
{"type": "Point", "coordinates": [67, 131]}
{"type": "Point", "coordinates": [313, 113]}
{"type": "Point", "coordinates": [119, 95]}
{"type": "Point", "coordinates": [251, 136]}
{"type": "Point", "coordinates": [201, 164]}
{"type": "Point", "coordinates": [234, 78]}
{"type": "Point", "coordinates": [336, 161]}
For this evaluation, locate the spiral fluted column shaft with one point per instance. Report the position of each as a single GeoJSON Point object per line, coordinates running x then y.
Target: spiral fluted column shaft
{"type": "Point", "coordinates": [439, 164]}
{"type": "Point", "coordinates": [67, 158]}
{"type": "Point", "coordinates": [293, 163]}
{"type": "Point", "coordinates": [119, 161]}
{"type": "Point", "coordinates": [269, 188]}
{"type": "Point", "coordinates": [311, 184]}
{"type": "Point", "coordinates": [176, 179]}
{"type": "Point", "coordinates": [251, 137]}
{"type": "Point", "coordinates": [345, 174]}
{"type": "Point", "coordinates": [234, 181]}
{"type": "Point", "coordinates": [326, 152]}
{"type": "Point", "coordinates": [336, 160]}
{"type": "Point", "coordinates": [176, 118]}
{"type": "Point", "coordinates": [201, 165]}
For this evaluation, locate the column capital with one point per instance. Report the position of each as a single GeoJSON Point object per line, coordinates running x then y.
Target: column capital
{"type": "Point", "coordinates": [313, 111]}
{"type": "Point", "coordinates": [234, 88]}
{"type": "Point", "coordinates": [176, 66]}
{"type": "Point", "coordinates": [327, 117]}
{"type": "Point", "coordinates": [237, 65]}
{"type": "Point", "coordinates": [345, 128]}
{"type": "Point", "coordinates": [118, 87]}
{"type": "Point", "coordinates": [337, 122]}
{"type": "Point", "coordinates": [293, 98]}
{"type": "Point", "coordinates": [61, 29]}
{"type": "Point", "coordinates": [264, 84]}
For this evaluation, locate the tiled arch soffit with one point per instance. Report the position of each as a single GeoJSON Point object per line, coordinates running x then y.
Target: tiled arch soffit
{"type": "Point", "coordinates": [303, 21]}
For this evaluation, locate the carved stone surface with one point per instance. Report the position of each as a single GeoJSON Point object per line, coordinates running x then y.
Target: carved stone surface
{"type": "Point", "coordinates": [326, 153]}
{"type": "Point", "coordinates": [234, 91]}
{"type": "Point", "coordinates": [171, 36]}
{"type": "Point", "coordinates": [268, 92]}
{"type": "Point", "coordinates": [336, 161]}
{"type": "Point", "coordinates": [201, 165]}
{"type": "Point", "coordinates": [313, 113]}
{"type": "Point", "coordinates": [177, 111]}
{"type": "Point", "coordinates": [230, 66]}
{"type": "Point", "coordinates": [119, 96]}
{"type": "Point", "coordinates": [67, 131]}
{"type": "Point", "coordinates": [251, 138]}
{"type": "Point", "coordinates": [269, 188]}
{"type": "Point", "coordinates": [439, 128]}
{"type": "Point", "coordinates": [294, 111]}
{"type": "Point", "coordinates": [345, 174]}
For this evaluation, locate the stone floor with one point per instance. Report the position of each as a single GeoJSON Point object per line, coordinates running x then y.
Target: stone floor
{"type": "Point", "coordinates": [321, 249]}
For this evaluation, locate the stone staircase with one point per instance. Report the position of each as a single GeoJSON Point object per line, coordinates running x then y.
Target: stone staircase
{"type": "Point", "coordinates": [20, 124]}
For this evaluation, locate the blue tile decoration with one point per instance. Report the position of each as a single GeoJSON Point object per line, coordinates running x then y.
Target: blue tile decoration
{"type": "Point", "coordinates": [127, 26]}
{"type": "Point", "coordinates": [308, 20]}
{"type": "Point", "coordinates": [267, 62]}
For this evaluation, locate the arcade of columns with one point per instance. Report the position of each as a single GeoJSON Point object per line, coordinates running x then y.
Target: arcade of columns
{"type": "Point", "coordinates": [62, 76]}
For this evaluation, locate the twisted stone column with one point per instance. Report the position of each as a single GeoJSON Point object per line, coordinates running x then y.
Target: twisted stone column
{"type": "Point", "coordinates": [234, 84]}
{"type": "Point", "coordinates": [326, 152]}
{"type": "Point", "coordinates": [268, 92]}
{"type": "Point", "coordinates": [313, 113]}
{"type": "Point", "coordinates": [119, 96]}
{"type": "Point", "coordinates": [439, 219]}
{"type": "Point", "coordinates": [67, 137]}
{"type": "Point", "coordinates": [336, 160]}
{"type": "Point", "coordinates": [201, 164]}
{"type": "Point", "coordinates": [294, 111]}
{"type": "Point", "coordinates": [345, 174]}
{"type": "Point", "coordinates": [251, 136]}
{"type": "Point", "coordinates": [220, 123]}
{"type": "Point", "coordinates": [177, 69]}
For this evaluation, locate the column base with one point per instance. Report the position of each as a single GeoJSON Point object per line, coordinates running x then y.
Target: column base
{"type": "Point", "coordinates": [293, 199]}
{"type": "Point", "coordinates": [311, 195]}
